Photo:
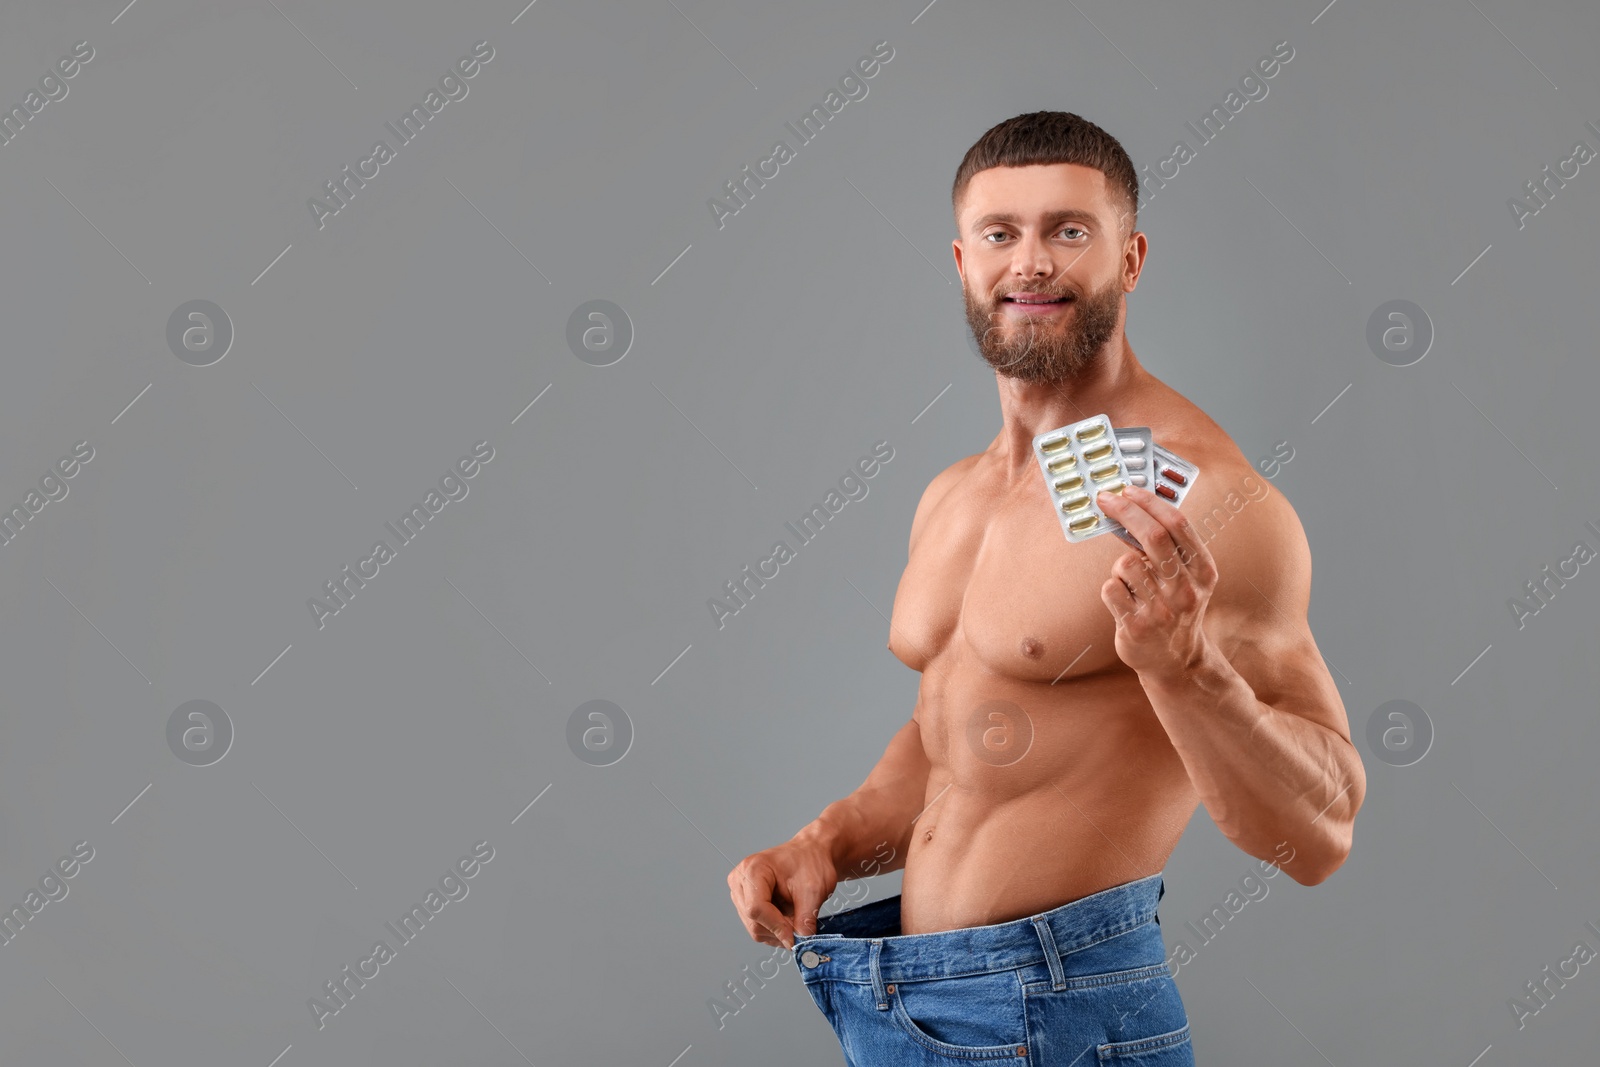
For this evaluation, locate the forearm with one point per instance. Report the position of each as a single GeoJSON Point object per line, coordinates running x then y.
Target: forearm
{"type": "Point", "coordinates": [1265, 776]}
{"type": "Point", "coordinates": [869, 831]}
{"type": "Point", "coordinates": [864, 834]}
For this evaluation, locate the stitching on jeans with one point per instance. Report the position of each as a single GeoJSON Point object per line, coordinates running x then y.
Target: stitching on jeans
{"type": "Point", "coordinates": [1171, 1039]}
{"type": "Point", "coordinates": [1052, 954]}
{"type": "Point", "coordinates": [1091, 981]}
{"type": "Point", "coordinates": [972, 1052]}
{"type": "Point", "coordinates": [1027, 1024]}
{"type": "Point", "coordinates": [1116, 932]}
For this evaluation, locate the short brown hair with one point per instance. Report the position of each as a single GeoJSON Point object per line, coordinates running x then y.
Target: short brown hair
{"type": "Point", "coordinates": [1045, 137]}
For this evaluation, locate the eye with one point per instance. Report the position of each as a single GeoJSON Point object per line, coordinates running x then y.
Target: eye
{"type": "Point", "coordinates": [996, 233]}
{"type": "Point", "coordinates": [1074, 229]}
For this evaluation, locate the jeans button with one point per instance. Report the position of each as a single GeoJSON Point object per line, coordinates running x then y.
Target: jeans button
{"type": "Point", "coordinates": [810, 958]}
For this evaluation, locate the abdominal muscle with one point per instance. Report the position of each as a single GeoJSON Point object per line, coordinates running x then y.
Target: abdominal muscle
{"type": "Point", "coordinates": [1097, 798]}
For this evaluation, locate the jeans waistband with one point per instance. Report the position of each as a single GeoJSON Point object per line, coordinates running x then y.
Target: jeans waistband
{"type": "Point", "coordinates": [850, 946]}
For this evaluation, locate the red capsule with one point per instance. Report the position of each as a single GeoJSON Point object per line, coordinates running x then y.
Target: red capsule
{"type": "Point", "coordinates": [1167, 491]}
{"type": "Point", "coordinates": [1173, 476]}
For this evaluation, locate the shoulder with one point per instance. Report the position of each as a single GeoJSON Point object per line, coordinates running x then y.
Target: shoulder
{"type": "Point", "coordinates": [939, 487]}
{"type": "Point", "coordinates": [1256, 539]}
{"type": "Point", "coordinates": [1248, 525]}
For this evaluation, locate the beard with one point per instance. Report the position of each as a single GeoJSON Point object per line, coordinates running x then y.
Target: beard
{"type": "Point", "coordinates": [1036, 349]}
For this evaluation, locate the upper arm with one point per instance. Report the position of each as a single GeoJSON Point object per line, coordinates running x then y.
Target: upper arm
{"type": "Point", "coordinates": [1258, 612]}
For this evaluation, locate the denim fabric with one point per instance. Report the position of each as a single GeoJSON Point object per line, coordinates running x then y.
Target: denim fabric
{"type": "Point", "coordinates": [1081, 985]}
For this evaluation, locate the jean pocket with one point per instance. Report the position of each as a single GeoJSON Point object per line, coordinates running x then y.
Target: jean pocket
{"type": "Point", "coordinates": [1172, 1049]}
{"type": "Point", "coordinates": [973, 1017]}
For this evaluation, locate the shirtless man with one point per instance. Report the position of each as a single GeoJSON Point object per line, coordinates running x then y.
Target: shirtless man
{"type": "Point", "coordinates": [1077, 700]}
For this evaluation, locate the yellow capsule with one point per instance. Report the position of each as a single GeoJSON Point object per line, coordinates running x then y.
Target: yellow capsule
{"type": "Point", "coordinates": [1086, 523]}
{"type": "Point", "coordinates": [1097, 453]}
{"type": "Point", "coordinates": [1052, 447]}
{"type": "Point", "coordinates": [1065, 463]}
{"type": "Point", "coordinates": [1113, 487]}
{"type": "Point", "coordinates": [1075, 503]}
{"type": "Point", "coordinates": [1100, 474]}
{"type": "Point", "coordinates": [1090, 433]}
{"type": "Point", "coordinates": [1069, 483]}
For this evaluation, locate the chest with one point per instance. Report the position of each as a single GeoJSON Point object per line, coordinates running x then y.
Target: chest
{"type": "Point", "coordinates": [990, 576]}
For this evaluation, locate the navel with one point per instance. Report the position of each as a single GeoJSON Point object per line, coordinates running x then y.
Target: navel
{"type": "Point", "coordinates": [1032, 648]}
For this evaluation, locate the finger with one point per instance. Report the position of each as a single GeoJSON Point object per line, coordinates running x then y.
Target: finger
{"type": "Point", "coordinates": [1152, 536]}
{"type": "Point", "coordinates": [1150, 588]}
{"type": "Point", "coordinates": [1116, 595]}
{"type": "Point", "coordinates": [756, 931]}
{"type": "Point", "coordinates": [753, 879]}
{"type": "Point", "coordinates": [1190, 548]}
{"type": "Point", "coordinates": [808, 901]}
{"type": "Point", "coordinates": [769, 921]}
{"type": "Point", "coordinates": [753, 895]}
{"type": "Point", "coordinates": [1138, 574]}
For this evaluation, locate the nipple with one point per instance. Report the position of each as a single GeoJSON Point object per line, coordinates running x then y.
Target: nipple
{"type": "Point", "coordinates": [1032, 648]}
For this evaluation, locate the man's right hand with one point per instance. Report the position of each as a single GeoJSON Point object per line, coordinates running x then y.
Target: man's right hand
{"type": "Point", "coordinates": [779, 891]}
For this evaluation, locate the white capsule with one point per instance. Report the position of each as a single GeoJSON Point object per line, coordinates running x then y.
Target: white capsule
{"type": "Point", "coordinates": [1131, 444]}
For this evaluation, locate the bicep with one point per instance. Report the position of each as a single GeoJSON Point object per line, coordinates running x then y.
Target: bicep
{"type": "Point", "coordinates": [1260, 620]}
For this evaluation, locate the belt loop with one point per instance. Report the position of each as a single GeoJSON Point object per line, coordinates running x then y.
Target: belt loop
{"type": "Point", "coordinates": [1058, 973]}
{"type": "Point", "coordinates": [877, 975]}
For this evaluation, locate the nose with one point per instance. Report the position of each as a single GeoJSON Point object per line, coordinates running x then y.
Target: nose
{"type": "Point", "coordinates": [1031, 259]}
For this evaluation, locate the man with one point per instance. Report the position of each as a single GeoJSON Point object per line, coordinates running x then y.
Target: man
{"type": "Point", "coordinates": [1077, 699]}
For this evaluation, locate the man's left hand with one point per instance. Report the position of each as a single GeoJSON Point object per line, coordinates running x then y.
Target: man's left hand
{"type": "Point", "coordinates": [1159, 596]}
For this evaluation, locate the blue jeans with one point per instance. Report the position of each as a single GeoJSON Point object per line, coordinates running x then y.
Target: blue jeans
{"type": "Point", "coordinates": [1081, 985]}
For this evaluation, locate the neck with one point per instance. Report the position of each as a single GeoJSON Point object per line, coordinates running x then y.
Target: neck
{"type": "Point", "coordinates": [1028, 409]}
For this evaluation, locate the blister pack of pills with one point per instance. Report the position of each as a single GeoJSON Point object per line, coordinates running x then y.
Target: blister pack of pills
{"type": "Point", "coordinates": [1079, 462]}
{"type": "Point", "coordinates": [1164, 472]}
{"type": "Point", "coordinates": [1087, 458]}
{"type": "Point", "coordinates": [1134, 443]}
{"type": "Point", "coordinates": [1171, 476]}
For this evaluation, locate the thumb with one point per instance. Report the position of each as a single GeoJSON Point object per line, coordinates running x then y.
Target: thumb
{"type": "Point", "coordinates": [806, 912]}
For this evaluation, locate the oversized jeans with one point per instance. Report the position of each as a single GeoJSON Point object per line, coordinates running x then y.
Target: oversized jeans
{"type": "Point", "coordinates": [1083, 984]}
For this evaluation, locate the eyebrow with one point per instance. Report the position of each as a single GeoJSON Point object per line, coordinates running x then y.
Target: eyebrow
{"type": "Point", "coordinates": [1075, 214]}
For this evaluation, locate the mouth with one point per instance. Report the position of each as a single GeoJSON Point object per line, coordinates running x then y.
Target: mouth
{"type": "Point", "coordinates": [1028, 303]}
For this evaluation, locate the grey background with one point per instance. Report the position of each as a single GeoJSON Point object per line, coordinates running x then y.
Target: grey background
{"type": "Point", "coordinates": [826, 315]}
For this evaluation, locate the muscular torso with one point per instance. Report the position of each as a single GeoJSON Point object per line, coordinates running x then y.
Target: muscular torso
{"type": "Point", "coordinates": [1051, 777]}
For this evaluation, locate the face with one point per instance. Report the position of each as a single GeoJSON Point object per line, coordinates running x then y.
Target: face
{"type": "Point", "coordinates": [1042, 233]}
